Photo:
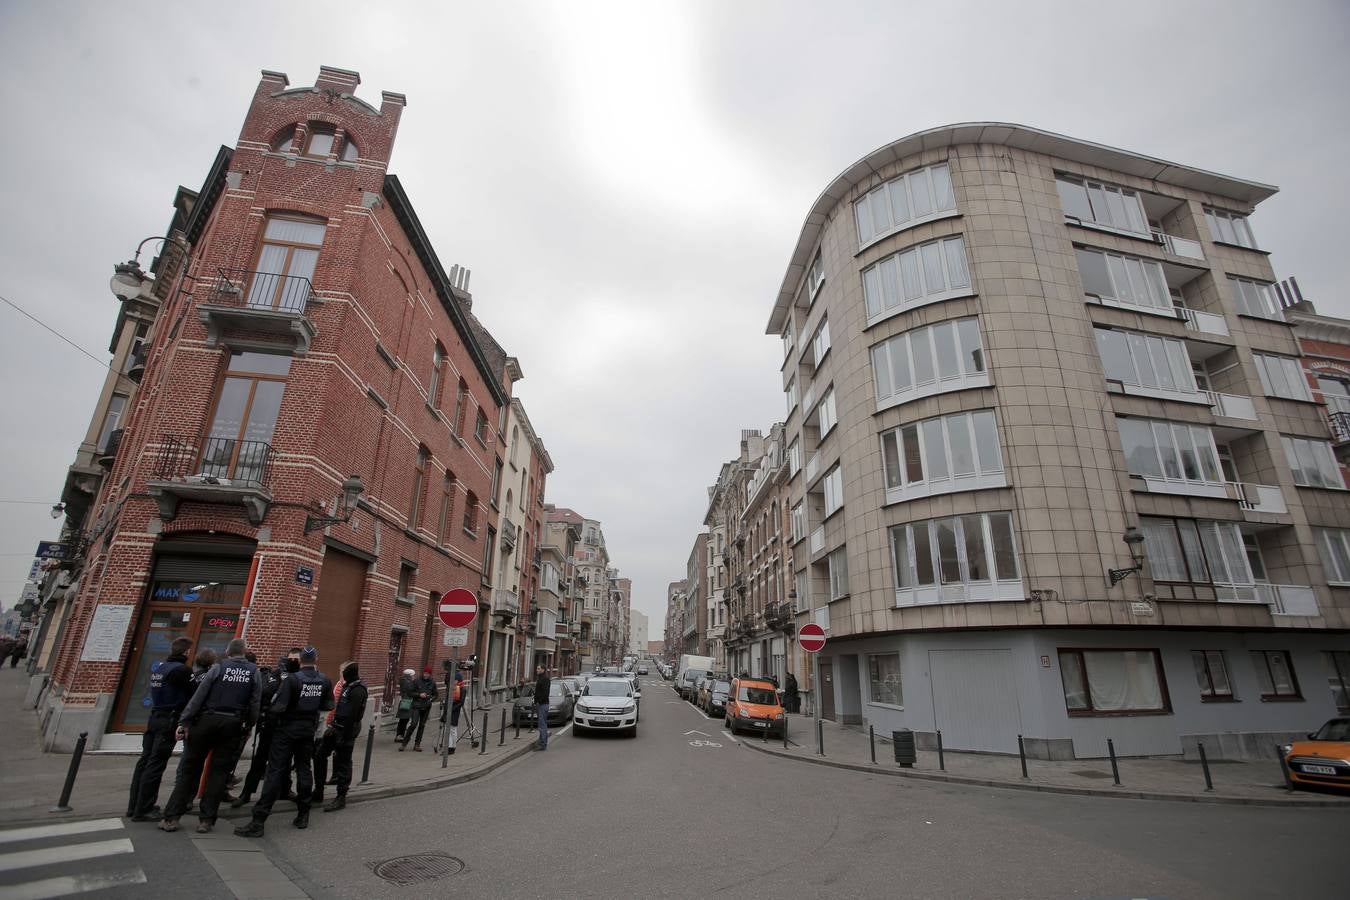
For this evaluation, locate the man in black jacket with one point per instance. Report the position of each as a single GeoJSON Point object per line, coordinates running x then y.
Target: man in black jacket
{"type": "Point", "coordinates": [541, 689]}
{"type": "Point", "coordinates": [424, 694]}
{"type": "Point", "coordinates": [170, 690]}
{"type": "Point", "coordinates": [339, 739]}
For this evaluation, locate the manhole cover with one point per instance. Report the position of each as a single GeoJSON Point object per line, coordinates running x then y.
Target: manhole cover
{"type": "Point", "coordinates": [1091, 773]}
{"type": "Point", "coordinates": [415, 869]}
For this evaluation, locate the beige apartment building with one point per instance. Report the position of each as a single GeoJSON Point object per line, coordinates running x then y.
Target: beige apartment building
{"type": "Point", "coordinates": [1052, 472]}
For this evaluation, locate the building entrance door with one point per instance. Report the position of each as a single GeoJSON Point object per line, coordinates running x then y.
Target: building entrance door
{"type": "Point", "coordinates": [826, 689]}
{"type": "Point", "coordinates": [337, 611]}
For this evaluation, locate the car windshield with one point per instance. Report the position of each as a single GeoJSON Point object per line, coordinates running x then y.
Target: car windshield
{"type": "Point", "coordinates": [694, 675]}
{"type": "Point", "coordinates": [1335, 730]}
{"type": "Point", "coordinates": [722, 687]}
{"type": "Point", "coordinates": [607, 689]}
{"type": "Point", "coordinates": [757, 695]}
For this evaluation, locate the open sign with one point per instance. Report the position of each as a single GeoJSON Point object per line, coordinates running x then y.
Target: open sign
{"type": "Point", "coordinates": [222, 622]}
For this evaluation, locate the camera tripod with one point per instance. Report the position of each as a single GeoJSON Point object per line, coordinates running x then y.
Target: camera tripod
{"type": "Point", "coordinates": [473, 733]}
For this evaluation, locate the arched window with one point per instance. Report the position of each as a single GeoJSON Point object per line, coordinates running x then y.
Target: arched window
{"type": "Point", "coordinates": [282, 142]}
{"type": "Point", "coordinates": [515, 439]}
{"type": "Point", "coordinates": [419, 483]}
{"type": "Point", "coordinates": [349, 150]}
{"type": "Point", "coordinates": [320, 140]}
{"type": "Point", "coordinates": [1335, 388]}
{"type": "Point", "coordinates": [447, 508]}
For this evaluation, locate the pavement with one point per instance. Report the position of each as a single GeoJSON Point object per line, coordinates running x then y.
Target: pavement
{"type": "Point", "coordinates": [1259, 782]}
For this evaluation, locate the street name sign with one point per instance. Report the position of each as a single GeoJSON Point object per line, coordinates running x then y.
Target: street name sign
{"type": "Point", "coordinates": [458, 608]}
{"type": "Point", "coordinates": [811, 638]}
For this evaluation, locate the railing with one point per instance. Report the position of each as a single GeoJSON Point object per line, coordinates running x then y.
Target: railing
{"type": "Point", "coordinates": [508, 535]}
{"type": "Point", "coordinates": [813, 465]}
{"type": "Point", "coordinates": [1179, 246]}
{"type": "Point", "coordinates": [504, 601]}
{"type": "Point", "coordinates": [223, 461]}
{"type": "Point", "coordinates": [808, 399]}
{"type": "Point", "coordinates": [108, 454]}
{"type": "Point", "coordinates": [1232, 406]}
{"type": "Point", "coordinates": [818, 539]}
{"type": "Point", "coordinates": [1202, 321]}
{"type": "Point", "coordinates": [1339, 423]}
{"type": "Point", "coordinates": [1288, 599]}
{"type": "Point", "coordinates": [1262, 498]}
{"type": "Point", "coordinates": [261, 290]}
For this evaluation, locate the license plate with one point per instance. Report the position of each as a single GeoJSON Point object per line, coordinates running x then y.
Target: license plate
{"type": "Point", "coordinates": [603, 718]}
{"type": "Point", "coordinates": [761, 724]}
{"type": "Point", "coordinates": [1320, 770]}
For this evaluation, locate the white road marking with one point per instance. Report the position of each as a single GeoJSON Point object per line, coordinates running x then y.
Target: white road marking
{"type": "Point", "coordinates": [61, 830]}
{"type": "Point", "coordinates": [66, 885]}
{"type": "Point", "coordinates": [704, 733]}
{"type": "Point", "coordinates": [729, 737]}
{"type": "Point", "coordinates": [26, 859]}
{"type": "Point", "coordinates": [713, 744]}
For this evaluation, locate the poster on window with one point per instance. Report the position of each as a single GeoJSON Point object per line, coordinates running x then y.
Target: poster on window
{"type": "Point", "coordinates": [107, 633]}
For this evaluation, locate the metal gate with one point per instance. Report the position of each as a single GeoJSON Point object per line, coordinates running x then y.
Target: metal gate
{"type": "Point", "coordinates": [975, 699]}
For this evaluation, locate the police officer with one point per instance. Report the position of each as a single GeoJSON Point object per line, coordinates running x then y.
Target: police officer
{"type": "Point", "coordinates": [339, 739]}
{"type": "Point", "coordinates": [300, 699]}
{"type": "Point", "coordinates": [170, 690]}
{"type": "Point", "coordinates": [223, 708]}
{"type": "Point", "coordinates": [267, 727]}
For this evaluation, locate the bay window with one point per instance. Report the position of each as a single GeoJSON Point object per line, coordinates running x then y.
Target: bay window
{"type": "Point", "coordinates": [1334, 546]}
{"type": "Point", "coordinates": [1104, 682]}
{"type": "Point", "coordinates": [1102, 204]}
{"type": "Point", "coordinates": [954, 559]}
{"type": "Point", "coordinates": [929, 360]}
{"type": "Point", "coordinates": [904, 201]}
{"type": "Point", "coordinates": [1281, 376]}
{"type": "Point", "coordinates": [1229, 228]}
{"type": "Point", "coordinates": [1255, 298]}
{"type": "Point", "coordinates": [1169, 452]}
{"type": "Point", "coordinates": [1145, 361]}
{"type": "Point", "coordinates": [940, 455]}
{"type": "Point", "coordinates": [927, 273]}
{"type": "Point", "coordinates": [1124, 279]}
{"type": "Point", "coordinates": [1200, 551]}
{"type": "Point", "coordinates": [1313, 462]}
{"type": "Point", "coordinates": [834, 490]}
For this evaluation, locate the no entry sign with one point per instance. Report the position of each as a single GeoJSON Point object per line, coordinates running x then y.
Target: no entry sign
{"type": "Point", "coordinates": [458, 608]}
{"type": "Point", "coordinates": [811, 638]}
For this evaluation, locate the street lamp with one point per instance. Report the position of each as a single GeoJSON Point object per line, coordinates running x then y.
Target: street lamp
{"type": "Point", "coordinates": [352, 489]}
{"type": "Point", "coordinates": [1133, 538]}
{"type": "Point", "coordinates": [58, 509]}
{"type": "Point", "coordinates": [129, 281]}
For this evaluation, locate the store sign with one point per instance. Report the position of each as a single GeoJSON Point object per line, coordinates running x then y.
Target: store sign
{"type": "Point", "coordinates": [51, 550]}
{"type": "Point", "coordinates": [107, 633]}
{"type": "Point", "coordinates": [222, 622]}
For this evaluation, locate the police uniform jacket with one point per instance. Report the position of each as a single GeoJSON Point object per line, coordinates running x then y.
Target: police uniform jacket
{"type": "Point", "coordinates": [230, 686]}
{"type": "Point", "coordinates": [171, 684]}
{"type": "Point", "coordinates": [303, 695]}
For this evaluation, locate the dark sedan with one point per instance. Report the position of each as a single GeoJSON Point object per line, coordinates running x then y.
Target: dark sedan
{"type": "Point", "coordinates": [560, 703]}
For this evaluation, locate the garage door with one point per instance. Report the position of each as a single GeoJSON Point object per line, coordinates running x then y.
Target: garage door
{"type": "Point", "coordinates": [975, 699]}
{"type": "Point", "coordinates": [337, 613]}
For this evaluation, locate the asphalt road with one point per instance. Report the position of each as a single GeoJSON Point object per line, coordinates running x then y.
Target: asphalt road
{"type": "Point", "coordinates": [678, 813]}
{"type": "Point", "coordinates": [659, 816]}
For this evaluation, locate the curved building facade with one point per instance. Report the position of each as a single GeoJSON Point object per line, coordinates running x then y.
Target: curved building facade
{"type": "Point", "coordinates": [1055, 469]}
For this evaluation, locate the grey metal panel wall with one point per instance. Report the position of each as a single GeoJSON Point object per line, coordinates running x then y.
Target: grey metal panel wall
{"type": "Point", "coordinates": [975, 701]}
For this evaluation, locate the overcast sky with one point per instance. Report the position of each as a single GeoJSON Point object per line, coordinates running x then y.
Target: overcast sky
{"type": "Point", "coordinates": [625, 181]}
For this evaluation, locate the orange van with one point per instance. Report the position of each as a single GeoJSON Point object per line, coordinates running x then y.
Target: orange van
{"type": "Point", "coordinates": [753, 705]}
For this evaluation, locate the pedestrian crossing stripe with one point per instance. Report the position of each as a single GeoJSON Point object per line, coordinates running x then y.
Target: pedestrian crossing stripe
{"type": "Point", "coordinates": [64, 829]}
{"type": "Point", "coordinates": [66, 885]}
{"type": "Point", "coordinates": [46, 856]}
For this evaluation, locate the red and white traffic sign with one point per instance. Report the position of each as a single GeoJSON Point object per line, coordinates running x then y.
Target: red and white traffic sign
{"type": "Point", "coordinates": [811, 638]}
{"type": "Point", "coordinates": [458, 608]}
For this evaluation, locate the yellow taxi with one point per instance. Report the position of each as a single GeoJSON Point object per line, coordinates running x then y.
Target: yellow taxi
{"type": "Point", "coordinates": [752, 704]}
{"type": "Point", "coordinates": [1323, 760]}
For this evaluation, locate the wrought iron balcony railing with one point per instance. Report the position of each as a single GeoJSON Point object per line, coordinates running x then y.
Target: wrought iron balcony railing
{"type": "Point", "coordinates": [1339, 422]}
{"type": "Point", "coordinates": [261, 290]}
{"type": "Point", "coordinates": [221, 461]}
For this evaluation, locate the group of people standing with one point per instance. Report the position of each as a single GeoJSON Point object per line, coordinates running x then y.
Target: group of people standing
{"type": "Point", "coordinates": [416, 696]}
{"type": "Point", "coordinates": [13, 648]}
{"type": "Point", "coordinates": [215, 710]}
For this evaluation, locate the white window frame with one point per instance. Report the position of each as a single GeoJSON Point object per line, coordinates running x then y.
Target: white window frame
{"type": "Point", "coordinates": [910, 592]}
{"type": "Point", "coordinates": [836, 564]}
{"type": "Point", "coordinates": [879, 275]}
{"type": "Point", "coordinates": [789, 338]}
{"type": "Point", "coordinates": [820, 343]}
{"type": "Point", "coordinates": [896, 356]}
{"type": "Point", "coordinates": [826, 410]}
{"type": "Point", "coordinates": [987, 473]}
{"type": "Point", "coordinates": [1334, 546]}
{"type": "Point", "coordinates": [1150, 357]}
{"type": "Point", "coordinates": [879, 202]}
{"type": "Point", "coordinates": [1170, 475]}
{"type": "Point", "coordinates": [794, 457]}
{"type": "Point", "coordinates": [1307, 455]}
{"type": "Point", "coordinates": [833, 486]}
{"type": "Point", "coordinates": [802, 584]}
{"type": "Point", "coordinates": [1175, 548]}
{"type": "Point", "coordinates": [1282, 376]}
{"type": "Point", "coordinates": [1105, 217]}
{"type": "Point", "coordinates": [112, 419]}
{"type": "Point", "coordinates": [791, 394]}
{"type": "Point", "coordinates": [798, 517]}
{"type": "Point", "coordinates": [815, 276]}
{"type": "Point", "coordinates": [1229, 228]}
{"type": "Point", "coordinates": [1120, 271]}
{"type": "Point", "coordinates": [1255, 298]}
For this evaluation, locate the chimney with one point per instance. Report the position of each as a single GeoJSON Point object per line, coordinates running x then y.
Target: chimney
{"type": "Point", "coordinates": [343, 81]}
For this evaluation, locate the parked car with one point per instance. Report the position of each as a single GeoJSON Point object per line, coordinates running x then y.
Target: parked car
{"type": "Point", "coordinates": [573, 684]}
{"type": "Point", "coordinates": [715, 693]}
{"type": "Point", "coordinates": [643, 670]}
{"type": "Point", "coordinates": [1323, 760]}
{"type": "Point", "coordinates": [752, 703]}
{"type": "Point", "coordinates": [560, 706]}
{"type": "Point", "coordinates": [607, 703]}
{"type": "Point", "coordinates": [684, 685]}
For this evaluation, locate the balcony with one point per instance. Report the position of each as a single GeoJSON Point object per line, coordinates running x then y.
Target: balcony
{"type": "Point", "coordinates": [812, 466]}
{"type": "Point", "coordinates": [1207, 323]}
{"type": "Point", "coordinates": [249, 302]}
{"type": "Point", "coordinates": [1179, 246]}
{"type": "Point", "coordinates": [505, 604]}
{"type": "Point", "coordinates": [818, 539]}
{"type": "Point", "coordinates": [223, 471]}
{"type": "Point", "coordinates": [1288, 599]}
{"type": "Point", "coordinates": [717, 632]}
{"type": "Point", "coordinates": [1232, 406]}
{"type": "Point", "coordinates": [778, 616]}
{"type": "Point", "coordinates": [136, 364]}
{"type": "Point", "coordinates": [108, 455]}
{"type": "Point", "coordinates": [1339, 423]}
{"type": "Point", "coordinates": [1260, 498]}
{"type": "Point", "coordinates": [508, 536]}
{"type": "Point", "coordinates": [574, 628]}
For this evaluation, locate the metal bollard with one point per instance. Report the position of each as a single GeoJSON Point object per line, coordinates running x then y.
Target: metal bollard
{"type": "Point", "coordinates": [1115, 770]}
{"type": "Point", "coordinates": [872, 743]}
{"type": "Point", "coordinates": [820, 738]}
{"type": "Point", "coordinates": [1204, 765]}
{"type": "Point", "coordinates": [942, 762]}
{"type": "Point", "coordinates": [1284, 769]}
{"type": "Point", "coordinates": [370, 748]}
{"type": "Point", "coordinates": [515, 719]}
{"type": "Point", "coordinates": [785, 737]}
{"type": "Point", "coordinates": [63, 805]}
{"type": "Point", "coordinates": [1022, 754]}
{"type": "Point", "coordinates": [501, 740]}
{"type": "Point", "coordinates": [482, 746]}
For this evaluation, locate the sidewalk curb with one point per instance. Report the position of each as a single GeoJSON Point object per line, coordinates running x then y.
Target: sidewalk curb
{"type": "Point", "coordinates": [1048, 788]}
{"type": "Point", "coordinates": [355, 794]}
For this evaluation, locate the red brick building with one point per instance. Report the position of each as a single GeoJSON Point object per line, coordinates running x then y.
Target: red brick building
{"type": "Point", "coordinates": [1325, 342]}
{"type": "Point", "coordinates": [313, 335]}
